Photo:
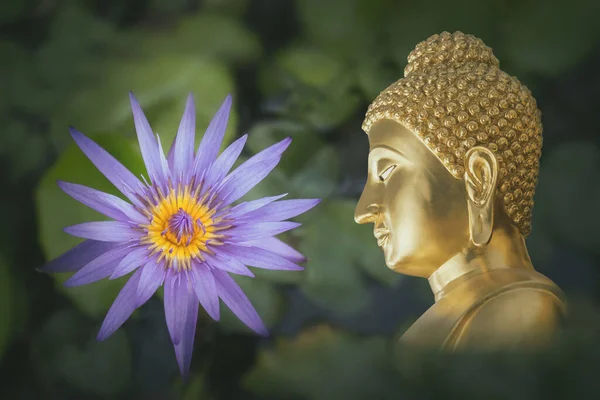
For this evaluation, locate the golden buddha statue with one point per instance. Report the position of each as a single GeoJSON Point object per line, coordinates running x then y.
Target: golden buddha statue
{"type": "Point", "coordinates": [453, 165]}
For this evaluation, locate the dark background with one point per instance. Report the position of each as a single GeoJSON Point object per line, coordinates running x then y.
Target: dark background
{"type": "Point", "coordinates": [306, 69]}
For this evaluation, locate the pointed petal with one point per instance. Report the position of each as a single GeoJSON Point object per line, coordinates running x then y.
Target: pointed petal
{"type": "Point", "coordinates": [213, 137]}
{"type": "Point", "coordinates": [148, 144]}
{"type": "Point", "coordinates": [183, 157]}
{"type": "Point", "coordinates": [259, 258]}
{"type": "Point", "coordinates": [99, 268]}
{"type": "Point", "coordinates": [281, 210]}
{"type": "Point", "coordinates": [228, 264]}
{"type": "Point", "coordinates": [107, 204]}
{"type": "Point", "coordinates": [123, 306]}
{"type": "Point", "coordinates": [152, 276]}
{"type": "Point", "coordinates": [112, 169]}
{"type": "Point", "coordinates": [206, 290]}
{"type": "Point", "coordinates": [185, 347]}
{"type": "Point", "coordinates": [259, 230]}
{"type": "Point", "coordinates": [273, 151]}
{"type": "Point", "coordinates": [176, 301]}
{"type": "Point", "coordinates": [279, 247]}
{"type": "Point", "coordinates": [75, 258]}
{"type": "Point", "coordinates": [244, 178]}
{"type": "Point", "coordinates": [248, 206]}
{"type": "Point", "coordinates": [233, 296]}
{"type": "Point", "coordinates": [133, 260]}
{"type": "Point", "coordinates": [105, 231]}
{"type": "Point", "coordinates": [224, 162]}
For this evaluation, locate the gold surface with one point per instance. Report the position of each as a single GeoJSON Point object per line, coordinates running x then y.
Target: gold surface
{"type": "Point", "coordinates": [453, 164]}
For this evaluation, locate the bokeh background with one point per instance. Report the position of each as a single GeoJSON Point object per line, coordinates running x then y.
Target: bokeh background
{"type": "Point", "coordinates": [301, 68]}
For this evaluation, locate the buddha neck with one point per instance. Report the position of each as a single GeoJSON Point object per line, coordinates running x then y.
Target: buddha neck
{"type": "Point", "coordinates": [506, 249]}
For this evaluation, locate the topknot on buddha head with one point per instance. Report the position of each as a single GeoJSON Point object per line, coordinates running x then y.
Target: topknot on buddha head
{"type": "Point", "coordinates": [455, 97]}
{"type": "Point", "coordinates": [445, 49]}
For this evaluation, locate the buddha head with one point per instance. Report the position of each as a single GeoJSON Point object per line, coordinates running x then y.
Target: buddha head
{"type": "Point", "coordinates": [454, 156]}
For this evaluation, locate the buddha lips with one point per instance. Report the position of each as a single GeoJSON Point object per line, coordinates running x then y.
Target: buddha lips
{"type": "Point", "coordinates": [179, 228]}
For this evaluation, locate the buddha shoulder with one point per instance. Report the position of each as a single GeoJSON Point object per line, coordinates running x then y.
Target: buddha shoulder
{"type": "Point", "coordinates": [528, 314]}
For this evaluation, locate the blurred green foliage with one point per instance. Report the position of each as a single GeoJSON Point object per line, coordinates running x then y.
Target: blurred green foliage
{"type": "Point", "coordinates": [300, 68]}
{"type": "Point", "coordinates": [321, 364]}
{"type": "Point", "coordinates": [6, 305]}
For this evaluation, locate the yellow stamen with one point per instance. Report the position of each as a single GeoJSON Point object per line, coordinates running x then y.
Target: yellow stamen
{"type": "Point", "coordinates": [181, 227]}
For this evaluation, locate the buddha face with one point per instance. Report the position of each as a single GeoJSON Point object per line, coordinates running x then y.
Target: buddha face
{"type": "Point", "coordinates": [419, 210]}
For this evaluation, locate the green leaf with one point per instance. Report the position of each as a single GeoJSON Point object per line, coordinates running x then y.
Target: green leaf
{"type": "Point", "coordinates": [203, 34]}
{"type": "Point", "coordinates": [568, 194]}
{"type": "Point", "coordinates": [310, 66]}
{"type": "Point", "coordinates": [308, 168]}
{"type": "Point", "coordinates": [304, 142]}
{"type": "Point", "coordinates": [323, 364]}
{"type": "Point", "coordinates": [549, 38]}
{"type": "Point", "coordinates": [411, 23]}
{"type": "Point", "coordinates": [320, 177]}
{"type": "Point", "coordinates": [6, 306]}
{"type": "Point", "coordinates": [348, 28]}
{"type": "Point", "coordinates": [374, 75]}
{"type": "Point", "coordinates": [339, 251]}
{"type": "Point", "coordinates": [74, 49]}
{"type": "Point", "coordinates": [161, 84]}
{"type": "Point", "coordinates": [318, 88]}
{"type": "Point", "coordinates": [57, 210]}
{"type": "Point", "coordinates": [193, 389]}
{"type": "Point", "coordinates": [66, 350]}
{"type": "Point", "coordinates": [266, 299]}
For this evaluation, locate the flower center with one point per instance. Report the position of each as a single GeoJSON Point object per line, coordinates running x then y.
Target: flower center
{"type": "Point", "coordinates": [181, 228]}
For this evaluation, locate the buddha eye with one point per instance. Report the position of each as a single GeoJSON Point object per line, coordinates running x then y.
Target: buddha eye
{"type": "Point", "coordinates": [386, 173]}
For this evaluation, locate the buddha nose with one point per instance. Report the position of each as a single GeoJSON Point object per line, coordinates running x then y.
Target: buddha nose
{"type": "Point", "coordinates": [367, 208]}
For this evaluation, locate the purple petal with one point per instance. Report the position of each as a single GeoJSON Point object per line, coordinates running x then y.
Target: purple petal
{"type": "Point", "coordinates": [233, 296]}
{"type": "Point", "coordinates": [176, 301]}
{"type": "Point", "coordinates": [206, 289]}
{"type": "Point", "coordinates": [273, 151]}
{"type": "Point", "coordinates": [125, 304]}
{"type": "Point", "coordinates": [112, 169]}
{"type": "Point", "coordinates": [134, 259]}
{"type": "Point", "coordinates": [99, 268]}
{"type": "Point", "coordinates": [225, 161]}
{"type": "Point", "coordinates": [259, 230]}
{"type": "Point", "coordinates": [107, 204]}
{"type": "Point", "coordinates": [281, 210]}
{"type": "Point", "coordinates": [244, 178]}
{"type": "Point", "coordinates": [185, 347]}
{"type": "Point", "coordinates": [213, 137]}
{"type": "Point", "coordinates": [252, 205]}
{"type": "Point", "coordinates": [183, 156]}
{"type": "Point", "coordinates": [260, 258]}
{"type": "Point", "coordinates": [75, 258]}
{"type": "Point", "coordinates": [164, 164]}
{"type": "Point", "coordinates": [151, 278]}
{"type": "Point", "coordinates": [228, 264]}
{"type": "Point", "coordinates": [171, 155]}
{"type": "Point", "coordinates": [105, 231]}
{"type": "Point", "coordinates": [148, 144]}
{"type": "Point", "coordinates": [279, 247]}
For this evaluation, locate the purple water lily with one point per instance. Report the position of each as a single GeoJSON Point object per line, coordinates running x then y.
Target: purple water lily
{"type": "Point", "coordinates": [179, 228]}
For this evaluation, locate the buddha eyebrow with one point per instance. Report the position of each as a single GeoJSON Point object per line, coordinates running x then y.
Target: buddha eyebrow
{"type": "Point", "coordinates": [386, 148]}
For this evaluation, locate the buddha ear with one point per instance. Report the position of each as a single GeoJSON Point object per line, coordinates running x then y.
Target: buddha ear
{"type": "Point", "coordinates": [481, 177]}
